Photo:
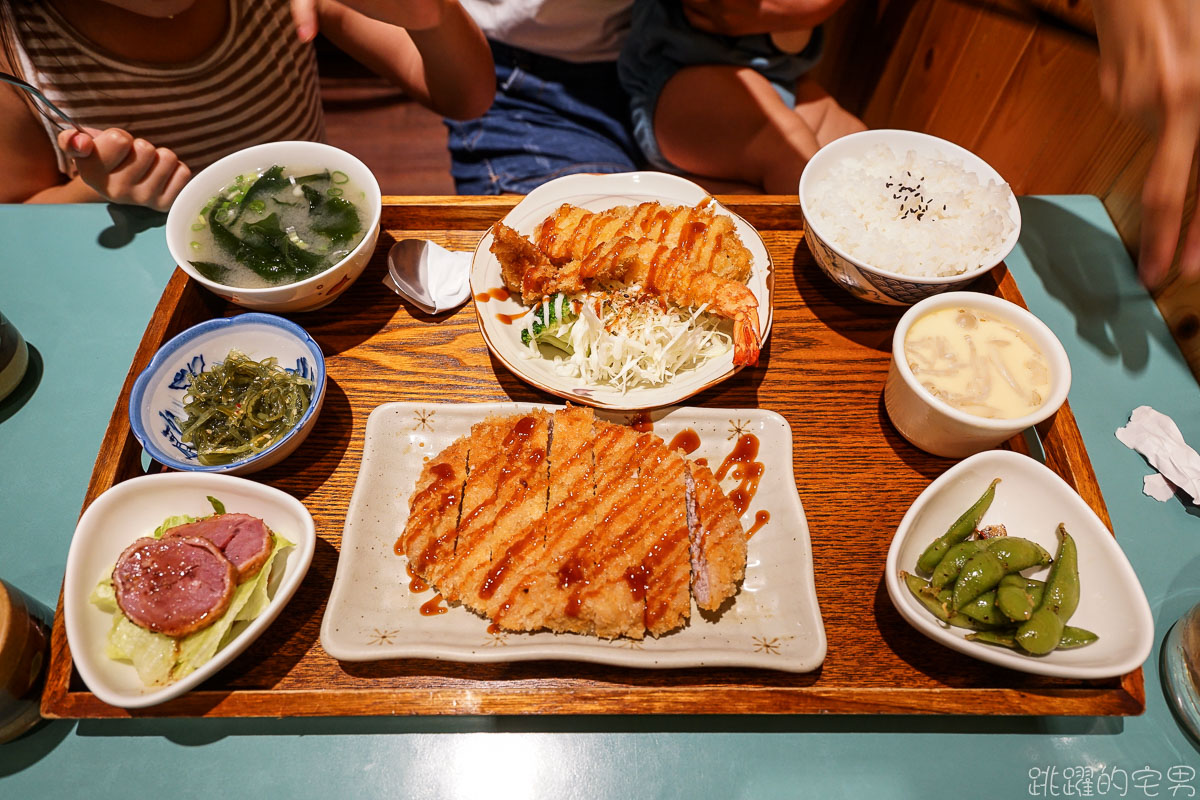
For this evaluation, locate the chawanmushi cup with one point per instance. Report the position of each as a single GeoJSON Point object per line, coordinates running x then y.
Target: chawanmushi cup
{"type": "Point", "coordinates": [937, 427]}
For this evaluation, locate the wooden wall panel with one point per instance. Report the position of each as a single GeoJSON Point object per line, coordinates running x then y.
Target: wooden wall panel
{"type": "Point", "coordinates": [981, 79]}
{"type": "Point", "coordinates": [943, 41]}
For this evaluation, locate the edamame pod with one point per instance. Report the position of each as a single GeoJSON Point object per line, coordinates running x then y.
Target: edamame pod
{"type": "Point", "coordinates": [1071, 638]}
{"type": "Point", "coordinates": [937, 603]}
{"type": "Point", "coordinates": [983, 609]}
{"type": "Point", "coordinates": [1018, 596]}
{"type": "Point", "coordinates": [947, 570]}
{"type": "Point", "coordinates": [960, 530]}
{"type": "Point", "coordinates": [986, 568]}
{"type": "Point", "coordinates": [1041, 632]}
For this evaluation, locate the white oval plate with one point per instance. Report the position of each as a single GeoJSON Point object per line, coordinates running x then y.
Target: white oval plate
{"type": "Point", "coordinates": [596, 193]}
{"type": "Point", "coordinates": [1031, 500]}
{"type": "Point", "coordinates": [134, 508]}
{"type": "Point", "coordinates": [774, 622]}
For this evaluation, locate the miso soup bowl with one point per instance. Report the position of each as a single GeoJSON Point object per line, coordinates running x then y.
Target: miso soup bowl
{"type": "Point", "coordinates": [871, 282]}
{"type": "Point", "coordinates": [939, 428]}
{"type": "Point", "coordinates": [306, 295]}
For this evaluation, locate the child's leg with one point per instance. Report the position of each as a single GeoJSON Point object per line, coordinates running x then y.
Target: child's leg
{"type": "Point", "coordinates": [729, 122]}
{"type": "Point", "coordinates": [822, 114]}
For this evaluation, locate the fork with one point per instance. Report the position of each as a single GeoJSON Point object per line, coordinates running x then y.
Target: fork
{"type": "Point", "coordinates": [20, 84]}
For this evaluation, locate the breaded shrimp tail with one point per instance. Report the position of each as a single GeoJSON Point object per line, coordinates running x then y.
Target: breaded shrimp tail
{"type": "Point", "coordinates": [691, 257]}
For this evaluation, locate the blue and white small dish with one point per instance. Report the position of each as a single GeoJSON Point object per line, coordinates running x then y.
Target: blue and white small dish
{"type": "Point", "coordinates": [873, 283]}
{"type": "Point", "coordinates": [156, 403]}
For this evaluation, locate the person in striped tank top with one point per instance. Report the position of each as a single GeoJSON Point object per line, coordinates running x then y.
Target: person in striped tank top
{"type": "Point", "coordinates": [165, 87]}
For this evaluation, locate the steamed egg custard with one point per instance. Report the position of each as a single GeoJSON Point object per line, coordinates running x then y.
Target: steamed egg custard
{"type": "Point", "coordinates": [977, 363]}
{"type": "Point", "coordinates": [277, 227]}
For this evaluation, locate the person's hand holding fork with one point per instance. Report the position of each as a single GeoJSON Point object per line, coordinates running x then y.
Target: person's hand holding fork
{"type": "Point", "coordinates": [122, 169]}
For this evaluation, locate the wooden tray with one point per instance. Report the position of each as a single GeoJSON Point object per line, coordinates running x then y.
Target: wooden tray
{"type": "Point", "coordinates": [823, 369]}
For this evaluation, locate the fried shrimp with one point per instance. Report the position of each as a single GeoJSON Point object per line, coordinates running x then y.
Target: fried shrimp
{"type": "Point", "coordinates": [708, 239]}
{"type": "Point", "coordinates": [691, 257]}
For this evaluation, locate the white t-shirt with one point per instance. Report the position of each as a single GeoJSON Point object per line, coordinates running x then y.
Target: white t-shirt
{"type": "Point", "coordinates": [573, 30]}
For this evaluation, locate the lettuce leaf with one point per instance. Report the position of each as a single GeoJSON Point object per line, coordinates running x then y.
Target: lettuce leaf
{"type": "Point", "coordinates": [249, 600]}
{"type": "Point", "coordinates": [172, 522]}
{"type": "Point", "coordinates": [161, 659]}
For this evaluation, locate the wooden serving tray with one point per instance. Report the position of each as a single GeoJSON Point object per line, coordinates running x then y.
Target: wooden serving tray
{"type": "Point", "coordinates": [823, 369]}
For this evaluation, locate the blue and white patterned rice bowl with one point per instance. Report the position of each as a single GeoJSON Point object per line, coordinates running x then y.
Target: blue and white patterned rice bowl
{"type": "Point", "coordinates": [156, 402]}
{"type": "Point", "coordinates": [871, 283]}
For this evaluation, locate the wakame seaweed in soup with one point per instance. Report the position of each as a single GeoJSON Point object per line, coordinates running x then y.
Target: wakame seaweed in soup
{"type": "Point", "coordinates": [278, 227]}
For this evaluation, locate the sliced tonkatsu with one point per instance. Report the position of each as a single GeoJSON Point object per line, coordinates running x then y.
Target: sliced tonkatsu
{"type": "Point", "coordinates": [505, 493]}
{"type": "Point", "coordinates": [718, 543]}
{"type": "Point", "coordinates": [573, 524]}
{"type": "Point", "coordinates": [551, 564]}
{"type": "Point", "coordinates": [434, 508]}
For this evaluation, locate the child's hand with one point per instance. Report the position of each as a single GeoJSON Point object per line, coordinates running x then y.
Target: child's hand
{"type": "Point", "coordinates": [414, 15]}
{"type": "Point", "coordinates": [122, 169]}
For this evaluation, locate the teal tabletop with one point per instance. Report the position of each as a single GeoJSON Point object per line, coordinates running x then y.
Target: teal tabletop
{"type": "Point", "coordinates": [81, 282]}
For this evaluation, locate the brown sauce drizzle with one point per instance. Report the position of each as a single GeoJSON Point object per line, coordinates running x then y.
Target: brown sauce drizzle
{"type": "Point", "coordinates": [434, 500]}
{"type": "Point", "coordinates": [745, 469]}
{"type": "Point", "coordinates": [509, 319]}
{"type": "Point", "coordinates": [571, 575]}
{"type": "Point", "coordinates": [761, 518]}
{"type": "Point", "coordinates": [749, 475]}
{"type": "Point", "coordinates": [521, 431]}
{"type": "Point", "coordinates": [638, 579]}
{"type": "Point", "coordinates": [701, 461]}
{"type": "Point", "coordinates": [687, 237]}
{"type": "Point", "coordinates": [494, 628]}
{"type": "Point", "coordinates": [416, 584]}
{"type": "Point", "coordinates": [744, 451]}
{"type": "Point", "coordinates": [641, 422]}
{"type": "Point", "coordinates": [687, 440]}
{"type": "Point", "coordinates": [434, 606]}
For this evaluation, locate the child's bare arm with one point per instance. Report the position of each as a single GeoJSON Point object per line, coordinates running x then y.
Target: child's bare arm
{"type": "Point", "coordinates": [30, 166]}
{"type": "Point", "coordinates": [430, 48]}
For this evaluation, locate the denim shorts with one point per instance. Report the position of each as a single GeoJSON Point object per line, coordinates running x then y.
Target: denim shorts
{"type": "Point", "coordinates": [661, 42]}
{"type": "Point", "coordinates": [549, 118]}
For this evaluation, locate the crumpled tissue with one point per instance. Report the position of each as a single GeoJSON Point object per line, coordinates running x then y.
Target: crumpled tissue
{"type": "Point", "coordinates": [428, 275]}
{"type": "Point", "coordinates": [1157, 437]}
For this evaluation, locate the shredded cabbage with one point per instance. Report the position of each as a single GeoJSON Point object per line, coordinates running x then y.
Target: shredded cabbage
{"type": "Point", "coordinates": [625, 340]}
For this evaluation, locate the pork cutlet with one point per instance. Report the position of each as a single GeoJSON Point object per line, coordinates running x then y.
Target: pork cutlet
{"type": "Point", "coordinates": [573, 524]}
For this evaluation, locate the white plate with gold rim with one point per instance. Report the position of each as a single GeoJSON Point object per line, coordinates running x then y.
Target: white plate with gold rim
{"type": "Point", "coordinates": [597, 193]}
{"type": "Point", "coordinates": [773, 623]}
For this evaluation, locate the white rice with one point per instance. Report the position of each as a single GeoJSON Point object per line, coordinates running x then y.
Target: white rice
{"type": "Point", "coordinates": [918, 216]}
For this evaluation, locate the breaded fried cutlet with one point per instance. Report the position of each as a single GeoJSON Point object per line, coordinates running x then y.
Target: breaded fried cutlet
{"type": "Point", "coordinates": [547, 570]}
{"type": "Point", "coordinates": [664, 567]}
{"type": "Point", "coordinates": [430, 533]}
{"type": "Point", "coordinates": [718, 549]}
{"type": "Point", "coordinates": [505, 493]}
{"type": "Point", "coordinates": [573, 524]}
{"type": "Point", "coordinates": [613, 596]}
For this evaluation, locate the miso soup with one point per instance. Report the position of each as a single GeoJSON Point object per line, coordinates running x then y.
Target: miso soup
{"type": "Point", "coordinates": [276, 227]}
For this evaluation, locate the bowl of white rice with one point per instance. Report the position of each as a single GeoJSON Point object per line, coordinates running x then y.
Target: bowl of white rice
{"type": "Point", "coordinates": [897, 216]}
